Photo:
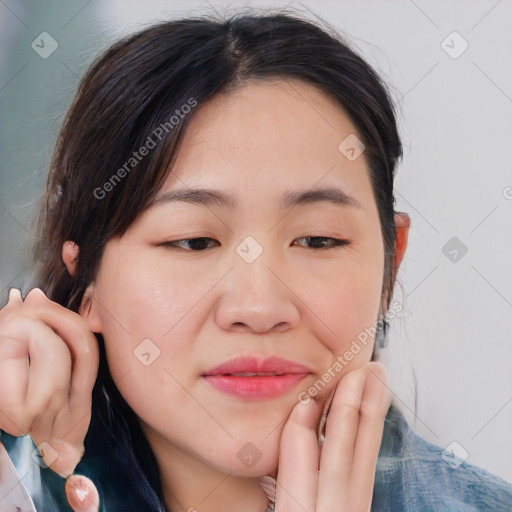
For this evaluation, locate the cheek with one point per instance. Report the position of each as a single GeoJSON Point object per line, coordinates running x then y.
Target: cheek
{"type": "Point", "coordinates": [347, 309]}
{"type": "Point", "coordinates": [149, 316]}
{"type": "Point", "coordinates": [142, 297]}
{"type": "Point", "coordinates": [138, 311]}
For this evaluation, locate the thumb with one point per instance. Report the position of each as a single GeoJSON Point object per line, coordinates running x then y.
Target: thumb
{"type": "Point", "coordinates": [82, 494]}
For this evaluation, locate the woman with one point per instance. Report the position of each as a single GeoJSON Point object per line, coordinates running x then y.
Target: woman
{"type": "Point", "coordinates": [246, 364]}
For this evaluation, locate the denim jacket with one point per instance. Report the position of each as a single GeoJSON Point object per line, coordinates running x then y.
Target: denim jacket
{"type": "Point", "coordinates": [412, 475]}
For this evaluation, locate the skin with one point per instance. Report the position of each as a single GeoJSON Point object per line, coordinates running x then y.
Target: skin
{"type": "Point", "coordinates": [201, 308]}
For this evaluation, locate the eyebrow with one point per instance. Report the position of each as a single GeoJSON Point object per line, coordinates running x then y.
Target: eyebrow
{"type": "Point", "coordinates": [217, 198]}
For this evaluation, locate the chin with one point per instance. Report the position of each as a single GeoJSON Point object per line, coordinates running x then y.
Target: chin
{"type": "Point", "coordinates": [246, 460]}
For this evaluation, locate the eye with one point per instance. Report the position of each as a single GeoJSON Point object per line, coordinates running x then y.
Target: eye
{"type": "Point", "coordinates": [198, 244]}
{"type": "Point", "coordinates": [320, 240]}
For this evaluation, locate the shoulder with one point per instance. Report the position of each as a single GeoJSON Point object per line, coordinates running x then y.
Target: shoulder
{"type": "Point", "coordinates": [413, 474]}
{"type": "Point", "coordinates": [453, 482]}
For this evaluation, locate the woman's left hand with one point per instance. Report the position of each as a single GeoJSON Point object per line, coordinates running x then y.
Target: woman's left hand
{"type": "Point", "coordinates": [348, 457]}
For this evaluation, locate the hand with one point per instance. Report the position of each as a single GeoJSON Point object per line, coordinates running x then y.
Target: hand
{"type": "Point", "coordinates": [348, 457]}
{"type": "Point", "coordinates": [48, 366]}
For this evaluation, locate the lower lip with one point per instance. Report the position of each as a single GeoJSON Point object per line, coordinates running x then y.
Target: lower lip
{"type": "Point", "coordinates": [255, 387]}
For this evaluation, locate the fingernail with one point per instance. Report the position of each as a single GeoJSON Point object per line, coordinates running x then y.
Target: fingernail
{"type": "Point", "coordinates": [81, 494]}
{"type": "Point", "coordinates": [12, 293]}
{"type": "Point", "coordinates": [81, 489]}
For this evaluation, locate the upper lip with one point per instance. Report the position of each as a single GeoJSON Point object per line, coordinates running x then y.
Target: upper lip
{"type": "Point", "coordinates": [253, 365]}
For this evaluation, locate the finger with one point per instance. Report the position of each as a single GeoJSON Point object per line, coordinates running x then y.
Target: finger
{"type": "Point", "coordinates": [338, 449]}
{"type": "Point", "coordinates": [14, 369]}
{"type": "Point", "coordinates": [81, 342]}
{"type": "Point", "coordinates": [14, 300]}
{"type": "Point", "coordinates": [341, 426]}
{"type": "Point", "coordinates": [374, 406]}
{"type": "Point", "coordinates": [297, 477]}
{"type": "Point", "coordinates": [82, 494]}
{"type": "Point", "coordinates": [27, 389]}
{"type": "Point", "coordinates": [50, 367]}
{"type": "Point", "coordinates": [63, 429]}
{"type": "Point", "coordinates": [61, 456]}
{"type": "Point", "coordinates": [47, 397]}
{"type": "Point", "coordinates": [14, 296]}
{"type": "Point", "coordinates": [68, 434]}
{"type": "Point", "coordinates": [323, 421]}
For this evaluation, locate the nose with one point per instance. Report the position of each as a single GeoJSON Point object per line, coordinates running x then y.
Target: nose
{"type": "Point", "coordinates": [257, 298]}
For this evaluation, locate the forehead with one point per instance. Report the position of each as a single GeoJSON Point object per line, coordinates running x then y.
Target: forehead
{"type": "Point", "coordinates": [267, 137]}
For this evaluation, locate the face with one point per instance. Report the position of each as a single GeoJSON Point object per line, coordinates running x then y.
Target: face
{"type": "Point", "coordinates": [257, 282]}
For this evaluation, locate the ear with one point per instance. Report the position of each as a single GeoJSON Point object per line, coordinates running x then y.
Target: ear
{"type": "Point", "coordinates": [70, 256]}
{"type": "Point", "coordinates": [402, 225]}
{"type": "Point", "coordinates": [89, 310]}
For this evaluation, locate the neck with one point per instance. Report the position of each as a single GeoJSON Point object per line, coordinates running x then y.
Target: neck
{"type": "Point", "coordinates": [189, 485]}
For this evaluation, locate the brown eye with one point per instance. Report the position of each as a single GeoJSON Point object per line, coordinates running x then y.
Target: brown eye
{"type": "Point", "coordinates": [196, 244]}
{"type": "Point", "coordinates": [319, 242]}
{"type": "Point", "coordinates": [201, 243]}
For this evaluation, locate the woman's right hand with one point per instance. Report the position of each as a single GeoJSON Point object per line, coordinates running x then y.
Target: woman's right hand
{"type": "Point", "coordinates": [48, 366]}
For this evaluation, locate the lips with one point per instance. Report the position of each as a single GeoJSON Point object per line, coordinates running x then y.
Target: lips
{"type": "Point", "coordinates": [254, 374]}
{"type": "Point", "coordinates": [253, 379]}
{"type": "Point", "coordinates": [251, 366]}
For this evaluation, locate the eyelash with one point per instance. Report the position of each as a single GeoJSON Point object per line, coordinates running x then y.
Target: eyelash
{"type": "Point", "coordinates": [336, 242]}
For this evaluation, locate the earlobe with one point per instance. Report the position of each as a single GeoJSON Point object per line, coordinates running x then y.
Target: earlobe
{"type": "Point", "coordinates": [88, 310]}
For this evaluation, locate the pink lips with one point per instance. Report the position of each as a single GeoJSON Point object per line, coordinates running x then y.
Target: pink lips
{"type": "Point", "coordinates": [249, 377]}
